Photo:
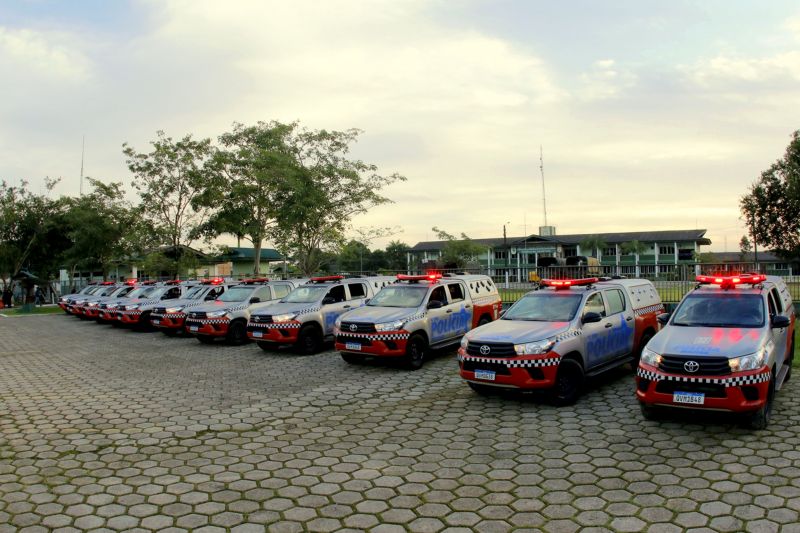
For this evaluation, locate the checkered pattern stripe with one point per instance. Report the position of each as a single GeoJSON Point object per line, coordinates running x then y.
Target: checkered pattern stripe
{"type": "Point", "coordinates": [649, 309]}
{"type": "Point", "coordinates": [170, 315]}
{"type": "Point", "coordinates": [736, 381]}
{"type": "Point", "coordinates": [308, 310]}
{"type": "Point", "coordinates": [514, 363]}
{"type": "Point", "coordinates": [397, 336]}
{"type": "Point", "coordinates": [568, 335]}
{"type": "Point", "coordinates": [133, 312]}
{"type": "Point", "coordinates": [204, 321]}
{"type": "Point", "coordinates": [279, 325]}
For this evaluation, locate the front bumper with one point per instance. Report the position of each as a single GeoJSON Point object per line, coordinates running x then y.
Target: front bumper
{"type": "Point", "coordinates": [129, 317]}
{"type": "Point", "coordinates": [517, 372]}
{"type": "Point", "coordinates": [383, 344]}
{"type": "Point", "coordinates": [108, 315]}
{"type": "Point", "coordinates": [281, 332]}
{"type": "Point", "coordinates": [91, 312]}
{"type": "Point", "coordinates": [64, 307]}
{"type": "Point", "coordinates": [212, 327]}
{"type": "Point", "coordinates": [740, 392]}
{"type": "Point", "coordinates": [168, 320]}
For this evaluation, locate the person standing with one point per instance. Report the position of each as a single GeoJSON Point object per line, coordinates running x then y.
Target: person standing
{"type": "Point", "coordinates": [7, 297]}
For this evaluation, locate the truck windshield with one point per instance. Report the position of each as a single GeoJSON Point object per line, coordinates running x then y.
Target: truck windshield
{"type": "Point", "coordinates": [403, 296]}
{"type": "Point", "coordinates": [141, 292]}
{"type": "Point", "coordinates": [545, 307]}
{"type": "Point", "coordinates": [236, 294]}
{"type": "Point", "coordinates": [195, 293]}
{"type": "Point", "coordinates": [108, 291]}
{"type": "Point", "coordinates": [306, 295]}
{"type": "Point", "coordinates": [724, 310]}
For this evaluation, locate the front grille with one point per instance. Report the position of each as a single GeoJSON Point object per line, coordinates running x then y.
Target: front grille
{"type": "Point", "coordinates": [360, 327]}
{"type": "Point", "coordinates": [709, 366]}
{"type": "Point", "coordinates": [496, 349]}
{"type": "Point", "coordinates": [261, 319]}
{"type": "Point", "coordinates": [197, 314]}
{"type": "Point", "coordinates": [498, 368]}
{"type": "Point", "coordinates": [711, 390]}
{"type": "Point", "coordinates": [103, 306]}
{"type": "Point", "coordinates": [159, 310]}
{"type": "Point", "coordinates": [360, 340]}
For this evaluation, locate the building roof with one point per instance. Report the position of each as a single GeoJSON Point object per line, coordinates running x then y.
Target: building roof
{"type": "Point", "coordinates": [738, 257]}
{"type": "Point", "coordinates": [666, 236]}
{"type": "Point", "coordinates": [235, 254]}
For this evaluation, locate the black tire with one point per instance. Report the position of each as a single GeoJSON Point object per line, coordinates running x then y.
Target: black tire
{"type": "Point", "coordinates": [637, 353]}
{"type": "Point", "coordinates": [144, 323]}
{"type": "Point", "coordinates": [266, 346]}
{"type": "Point", "coordinates": [569, 382]}
{"type": "Point", "coordinates": [351, 358]}
{"type": "Point", "coordinates": [237, 333]}
{"type": "Point", "coordinates": [309, 340]}
{"type": "Point", "coordinates": [484, 320]}
{"type": "Point", "coordinates": [415, 352]}
{"type": "Point", "coordinates": [760, 419]}
{"type": "Point", "coordinates": [206, 339]}
{"type": "Point", "coordinates": [648, 412]}
{"type": "Point", "coordinates": [483, 390]}
{"type": "Point", "coordinates": [169, 332]}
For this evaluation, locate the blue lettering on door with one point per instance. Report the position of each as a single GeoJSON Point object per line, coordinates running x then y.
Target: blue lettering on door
{"type": "Point", "coordinates": [609, 342]}
{"type": "Point", "coordinates": [450, 325]}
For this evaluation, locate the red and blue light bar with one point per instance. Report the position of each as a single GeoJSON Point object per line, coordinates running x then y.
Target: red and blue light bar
{"type": "Point", "coordinates": [213, 281]}
{"type": "Point", "coordinates": [430, 276]}
{"type": "Point", "coordinates": [326, 278]}
{"type": "Point", "coordinates": [561, 284]}
{"type": "Point", "coordinates": [727, 282]}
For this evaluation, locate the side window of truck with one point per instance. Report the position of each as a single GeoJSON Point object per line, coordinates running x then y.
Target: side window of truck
{"type": "Point", "coordinates": [777, 299]}
{"type": "Point", "coordinates": [337, 293]}
{"type": "Point", "coordinates": [357, 290]}
{"type": "Point", "coordinates": [456, 292]}
{"type": "Point", "coordinates": [594, 304]}
{"type": "Point", "coordinates": [280, 290]}
{"type": "Point", "coordinates": [616, 301]}
{"type": "Point", "coordinates": [438, 295]}
{"type": "Point", "coordinates": [263, 294]}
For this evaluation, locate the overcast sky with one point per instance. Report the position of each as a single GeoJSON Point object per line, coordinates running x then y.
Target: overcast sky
{"type": "Point", "coordinates": [652, 115]}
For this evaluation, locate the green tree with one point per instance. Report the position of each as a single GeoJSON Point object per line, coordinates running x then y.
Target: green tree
{"type": "Point", "coordinates": [322, 193]}
{"type": "Point", "coordinates": [353, 256]}
{"type": "Point", "coordinates": [745, 247]}
{"type": "Point", "coordinates": [170, 180]}
{"type": "Point", "coordinates": [457, 253]}
{"type": "Point", "coordinates": [250, 169]}
{"type": "Point", "coordinates": [396, 256]}
{"type": "Point", "coordinates": [771, 208]}
{"type": "Point", "coordinates": [634, 248]}
{"type": "Point", "coordinates": [595, 243]}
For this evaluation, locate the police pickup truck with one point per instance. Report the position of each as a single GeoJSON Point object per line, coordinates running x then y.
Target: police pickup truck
{"type": "Point", "coordinates": [305, 318]}
{"type": "Point", "coordinates": [226, 317]}
{"type": "Point", "coordinates": [170, 317]}
{"type": "Point", "coordinates": [416, 313]}
{"type": "Point", "coordinates": [728, 346]}
{"type": "Point", "coordinates": [63, 301]}
{"type": "Point", "coordinates": [135, 312]}
{"type": "Point", "coordinates": [552, 338]}
{"type": "Point", "coordinates": [105, 289]}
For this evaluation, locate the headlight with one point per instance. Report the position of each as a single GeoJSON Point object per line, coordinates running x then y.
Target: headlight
{"type": "Point", "coordinates": [535, 348]}
{"type": "Point", "coordinates": [464, 342]}
{"type": "Point", "coordinates": [748, 362]}
{"type": "Point", "coordinates": [216, 314]}
{"type": "Point", "coordinates": [338, 323]}
{"type": "Point", "coordinates": [390, 326]}
{"type": "Point", "coordinates": [284, 318]}
{"type": "Point", "coordinates": [173, 309]}
{"type": "Point", "coordinates": [131, 307]}
{"type": "Point", "coordinates": [649, 357]}
{"type": "Point", "coordinates": [92, 304]}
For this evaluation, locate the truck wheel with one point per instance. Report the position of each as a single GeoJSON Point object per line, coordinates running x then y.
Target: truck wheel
{"type": "Point", "coordinates": [760, 419]}
{"type": "Point", "coordinates": [637, 353]}
{"type": "Point", "coordinates": [569, 381]}
{"type": "Point", "coordinates": [266, 346]}
{"type": "Point", "coordinates": [483, 390]}
{"type": "Point", "coordinates": [415, 352]}
{"type": "Point", "coordinates": [237, 333]}
{"type": "Point", "coordinates": [648, 412]}
{"type": "Point", "coordinates": [352, 358]}
{"type": "Point", "coordinates": [309, 340]}
{"type": "Point", "coordinates": [206, 339]}
{"type": "Point", "coordinates": [169, 332]}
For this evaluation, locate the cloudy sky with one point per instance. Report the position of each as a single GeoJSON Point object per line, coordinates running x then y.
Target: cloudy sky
{"type": "Point", "coordinates": [652, 115]}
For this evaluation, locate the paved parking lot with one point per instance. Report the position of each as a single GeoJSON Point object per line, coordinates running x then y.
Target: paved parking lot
{"type": "Point", "coordinates": [111, 429]}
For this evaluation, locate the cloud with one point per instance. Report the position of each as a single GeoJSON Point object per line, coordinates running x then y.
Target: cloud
{"type": "Point", "coordinates": [47, 54]}
{"type": "Point", "coordinates": [724, 69]}
{"type": "Point", "coordinates": [605, 80]}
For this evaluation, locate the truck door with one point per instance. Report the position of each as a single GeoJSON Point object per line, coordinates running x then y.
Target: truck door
{"type": "Point", "coordinates": [333, 305]}
{"type": "Point", "coordinates": [623, 323]}
{"type": "Point", "coordinates": [439, 315]}
{"type": "Point", "coordinates": [595, 335]}
{"type": "Point", "coordinates": [780, 336]}
{"type": "Point", "coordinates": [357, 295]}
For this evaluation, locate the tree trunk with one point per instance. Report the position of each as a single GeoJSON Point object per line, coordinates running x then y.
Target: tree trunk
{"type": "Point", "coordinates": [257, 256]}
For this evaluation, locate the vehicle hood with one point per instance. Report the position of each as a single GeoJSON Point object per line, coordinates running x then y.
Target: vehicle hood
{"type": "Point", "coordinates": [377, 315]}
{"type": "Point", "coordinates": [516, 331]}
{"type": "Point", "coordinates": [706, 341]}
{"type": "Point", "coordinates": [285, 308]}
{"type": "Point", "coordinates": [183, 302]}
{"type": "Point", "coordinates": [216, 305]}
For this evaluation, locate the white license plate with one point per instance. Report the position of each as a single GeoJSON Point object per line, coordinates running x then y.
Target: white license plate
{"type": "Point", "coordinates": [696, 398]}
{"type": "Point", "coordinates": [485, 375]}
{"type": "Point", "coordinates": [193, 328]}
{"type": "Point", "coordinates": [258, 334]}
{"type": "Point", "coordinates": [156, 322]}
{"type": "Point", "coordinates": [352, 346]}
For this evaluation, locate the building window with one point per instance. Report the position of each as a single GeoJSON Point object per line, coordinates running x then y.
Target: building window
{"type": "Point", "coordinates": [667, 249]}
{"type": "Point", "coordinates": [571, 251]}
{"type": "Point", "coordinates": [501, 255]}
{"type": "Point", "coordinates": [610, 251]}
{"type": "Point", "coordinates": [685, 254]}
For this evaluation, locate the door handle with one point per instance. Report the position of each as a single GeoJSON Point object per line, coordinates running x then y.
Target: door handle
{"type": "Point", "coordinates": [346, 307]}
{"type": "Point", "coordinates": [467, 306]}
{"type": "Point", "coordinates": [629, 319]}
{"type": "Point", "coordinates": [608, 325]}
{"type": "Point", "coordinates": [449, 311]}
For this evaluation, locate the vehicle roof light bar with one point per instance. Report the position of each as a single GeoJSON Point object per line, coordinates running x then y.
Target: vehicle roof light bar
{"type": "Point", "coordinates": [561, 284]}
{"type": "Point", "coordinates": [323, 279]}
{"type": "Point", "coordinates": [729, 282]}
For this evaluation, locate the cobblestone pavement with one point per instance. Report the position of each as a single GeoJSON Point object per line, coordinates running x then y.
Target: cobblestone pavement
{"type": "Point", "coordinates": [106, 429]}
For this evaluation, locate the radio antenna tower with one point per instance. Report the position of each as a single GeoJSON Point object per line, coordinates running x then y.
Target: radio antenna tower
{"type": "Point", "coordinates": [541, 171]}
{"type": "Point", "coordinates": [83, 146]}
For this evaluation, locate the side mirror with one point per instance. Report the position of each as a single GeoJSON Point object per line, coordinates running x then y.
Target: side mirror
{"type": "Point", "coordinates": [328, 300]}
{"type": "Point", "coordinates": [663, 318]}
{"type": "Point", "coordinates": [255, 300]}
{"type": "Point", "coordinates": [434, 304]}
{"type": "Point", "coordinates": [780, 321]}
{"type": "Point", "coordinates": [591, 317]}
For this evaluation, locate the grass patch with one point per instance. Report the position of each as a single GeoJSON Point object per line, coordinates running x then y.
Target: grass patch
{"type": "Point", "coordinates": [17, 311]}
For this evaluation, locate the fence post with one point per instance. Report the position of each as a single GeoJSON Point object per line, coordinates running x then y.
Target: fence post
{"type": "Point", "coordinates": [506, 279]}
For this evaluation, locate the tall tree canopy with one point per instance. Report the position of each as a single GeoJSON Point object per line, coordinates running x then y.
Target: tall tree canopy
{"type": "Point", "coordinates": [771, 209]}
{"type": "Point", "coordinates": [457, 253]}
{"type": "Point", "coordinates": [170, 180]}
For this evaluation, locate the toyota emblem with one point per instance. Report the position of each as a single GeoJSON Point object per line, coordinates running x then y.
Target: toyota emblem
{"type": "Point", "coordinates": [353, 327]}
{"type": "Point", "coordinates": [485, 350]}
{"type": "Point", "coordinates": [691, 366]}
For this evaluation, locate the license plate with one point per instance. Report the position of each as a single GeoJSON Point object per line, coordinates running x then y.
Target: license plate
{"type": "Point", "coordinates": [487, 375]}
{"type": "Point", "coordinates": [352, 346]}
{"type": "Point", "coordinates": [156, 322]}
{"type": "Point", "coordinates": [258, 334]}
{"type": "Point", "coordinates": [697, 398]}
{"type": "Point", "coordinates": [193, 328]}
